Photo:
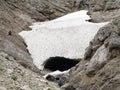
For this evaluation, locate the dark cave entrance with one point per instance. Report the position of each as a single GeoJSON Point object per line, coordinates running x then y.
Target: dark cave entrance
{"type": "Point", "coordinates": [59, 63]}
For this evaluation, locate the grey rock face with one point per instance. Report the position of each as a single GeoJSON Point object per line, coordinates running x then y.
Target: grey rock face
{"type": "Point", "coordinates": [114, 43]}
{"type": "Point", "coordinates": [103, 10]}
{"type": "Point", "coordinates": [97, 5]}
{"type": "Point", "coordinates": [102, 56]}
{"type": "Point", "coordinates": [99, 39]}
{"type": "Point", "coordinates": [99, 71]}
{"type": "Point", "coordinates": [21, 56]}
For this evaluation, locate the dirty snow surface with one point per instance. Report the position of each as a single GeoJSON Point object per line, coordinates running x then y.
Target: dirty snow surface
{"type": "Point", "coordinates": [67, 36]}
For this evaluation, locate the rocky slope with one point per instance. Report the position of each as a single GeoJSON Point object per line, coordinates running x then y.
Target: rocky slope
{"type": "Point", "coordinates": [100, 68]}
{"type": "Point", "coordinates": [13, 76]}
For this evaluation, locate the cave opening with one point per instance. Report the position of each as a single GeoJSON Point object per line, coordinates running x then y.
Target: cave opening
{"type": "Point", "coordinates": [59, 63]}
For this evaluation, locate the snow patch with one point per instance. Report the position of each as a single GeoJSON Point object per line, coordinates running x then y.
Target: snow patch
{"type": "Point", "coordinates": [57, 73]}
{"type": "Point", "coordinates": [67, 36]}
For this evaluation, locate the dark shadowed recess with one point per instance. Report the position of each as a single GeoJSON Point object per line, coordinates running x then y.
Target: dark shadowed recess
{"type": "Point", "coordinates": [59, 63]}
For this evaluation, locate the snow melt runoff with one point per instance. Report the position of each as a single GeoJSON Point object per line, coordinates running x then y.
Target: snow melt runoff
{"type": "Point", "coordinates": [67, 36]}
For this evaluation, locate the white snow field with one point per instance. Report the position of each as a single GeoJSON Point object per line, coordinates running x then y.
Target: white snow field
{"type": "Point", "coordinates": [67, 36]}
{"type": "Point", "coordinates": [57, 72]}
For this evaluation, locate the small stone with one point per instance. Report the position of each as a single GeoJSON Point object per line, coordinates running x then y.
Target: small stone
{"type": "Point", "coordinates": [9, 71]}
{"type": "Point", "coordinates": [26, 87]}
